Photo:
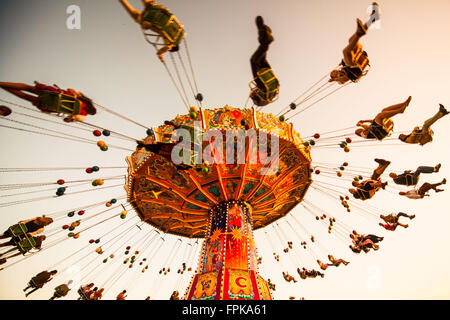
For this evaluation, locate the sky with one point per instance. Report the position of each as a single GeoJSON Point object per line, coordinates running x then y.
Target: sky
{"type": "Point", "coordinates": [109, 60]}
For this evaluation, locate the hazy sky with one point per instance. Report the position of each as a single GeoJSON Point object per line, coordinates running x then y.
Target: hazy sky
{"type": "Point", "coordinates": [109, 60]}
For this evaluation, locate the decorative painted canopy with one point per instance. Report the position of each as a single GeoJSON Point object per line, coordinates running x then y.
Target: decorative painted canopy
{"type": "Point", "coordinates": [177, 198]}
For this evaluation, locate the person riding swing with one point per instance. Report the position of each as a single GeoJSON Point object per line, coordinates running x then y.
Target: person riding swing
{"type": "Point", "coordinates": [423, 135]}
{"type": "Point", "coordinates": [366, 189]}
{"type": "Point", "coordinates": [23, 243]}
{"type": "Point", "coordinates": [39, 280]}
{"type": "Point", "coordinates": [159, 19]}
{"type": "Point", "coordinates": [411, 178]}
{"type": "Point", "coordinates": [381, 126]}
{"type": "Point", "coordinates": [265, 85]}
{"type": "Point", "coordinates": [392, 221]}
{"type": "Point", "coordinates": [355, 62]}
{"type": "Point", "coordinates": [51, 99]}
{"type": "Point", "coordinates": [31, 227]}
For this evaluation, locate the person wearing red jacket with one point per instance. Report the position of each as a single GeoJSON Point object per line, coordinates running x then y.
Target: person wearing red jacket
{"type": "Point", "coordinates": [52, 99]}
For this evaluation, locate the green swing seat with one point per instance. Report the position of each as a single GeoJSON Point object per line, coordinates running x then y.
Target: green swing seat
{"type": "Point", "coordinates": [271, 84]}
{"type": "Point", "coordinates": [17, 230]}
{"type": "Point", "coordinates": [59, 102]}
{"type": "Point", "coordinates": [25, 244]}
{"type": "Point", "coordinates": [169, 26]}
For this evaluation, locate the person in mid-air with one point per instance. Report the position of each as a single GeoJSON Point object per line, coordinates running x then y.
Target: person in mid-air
{"type": "Point", "coordinates": [97, 294]}
{"type": "Point", "coordinates": [371, 237]}
{"type": "Point", "coordinates": [302, 273]}
{"type": "Point", "coordinates": [159, 19]}
{"type": "Point", "coordinates": [288, 277]}
{"type": "Point", "coordinates": [355, 60]}
{"type": "Point", "coordinates": [36, 245]}
{"type": "Point", "coordinates": [85, 291]}
{"type": "Point", "coordinates": [122, 295]}
{"type": "Point", "coordinates": [368, 243]}
{"type": "Point", "coordinates": [91, 293]}
{"type": "Point", "coordinates": [336, 262]}
{"type": "Point", "coordinates": [422, 191]}
{"type": "Point", "coordinates": [33, 226]}
{"type": "Point", "coordinates": [409, 178]}
{"type": "Point", "coordinates": [311, 273]}
{"type": "Point", "coordinates": [51, 99]}
{"type": "Point", "coordinates": [366, 189]}
{"type": "Point", "coordinates": [322, 265]}
{"type": "Point", "coordinates": [392, 221]}
{"type": "Point", "coordinates": [423, 135]}
{"type": "Point", "coordinates": [62, 290]}
{"type": "Point", "coordinates": [39, 280]}
{"type": "Point", "coordinates": [364, 242]}
{"type": "Point", "coordinates": [357, 248]}
{"type": "Point", "coordinates": [381, 126]}
{"type": "Point", "coordinates": [265, 85]}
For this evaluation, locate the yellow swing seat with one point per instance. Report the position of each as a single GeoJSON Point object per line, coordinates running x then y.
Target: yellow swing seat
{"type": "Point", "coordinates": [271, 85]}
{"type": "Point", "coordinates": [166, 24]}
{"type": "Point", "coordinates": [383, 131]}
{"type": "Point", "coordinates": [25, 244]}
{"type": "Point", "coordinates": [17, 230]}
{"type": "Point", "coordinates": [360, 58]}
{"type": "Point", "coordinates": [360, 65]}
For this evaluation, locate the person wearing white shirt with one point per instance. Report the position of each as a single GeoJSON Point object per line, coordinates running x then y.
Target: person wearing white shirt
{"type": "Point", "coordinates": [422, 191]}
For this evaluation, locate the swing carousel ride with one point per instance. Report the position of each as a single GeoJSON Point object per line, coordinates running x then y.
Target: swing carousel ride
{"type": "Point", "coordinates": [244, 181]}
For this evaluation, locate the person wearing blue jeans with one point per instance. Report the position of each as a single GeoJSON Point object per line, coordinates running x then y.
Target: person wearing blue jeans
{"type": "Point", "coordinates": [409, 178]}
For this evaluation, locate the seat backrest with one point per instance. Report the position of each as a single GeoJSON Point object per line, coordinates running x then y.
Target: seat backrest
{"type": "Point", "coordinates": [27, 244]}
{"type": "Point", "coordinates": [381, 132]}
{"type": "Point", "coordinates": [69, 104]}
{"type": "Point", "coordinates": [361, 59]}
{"type": "Point", "coordinates": [157, 16]}
{"type": "Point", "coordinates": [271, 83]}
{"type": "Point", "coordinates": [388, 124]}
{"type": "Point", "coordinates": [18, 229]}
{"type": "Point", "coordinates": [361, 62]}
{"type": "Point", "coordinates": [367, 194]}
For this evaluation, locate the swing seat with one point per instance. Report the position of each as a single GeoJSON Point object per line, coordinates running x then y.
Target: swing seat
{"type": "Point", "coordinates": [366, 194]}
{"type": "Point", "coordinates": [384, 131]}
{"type": "Point", "coordinates": [59, 102]}
{"type": "Point", "coordinates": [271, 85]}
{"type": "Point", "coordinates": [409, 181]}
{"type": "Point", "coordinates": [82, 294]}
{"type": "Point", "coordinates": [32, 283]}
{"type": "Point", "coordinates": [360, 65]}
{"type": "Point", "coordinates": [17, 230]}
{"type": "Point", "coordinates": [360, 58]}
{"type": "Point", "coordinates": [166, 23]}
{"type": "Point", "coordinates": [388, 124]}
{"type": "Point", "coordinates": [25, 244]}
